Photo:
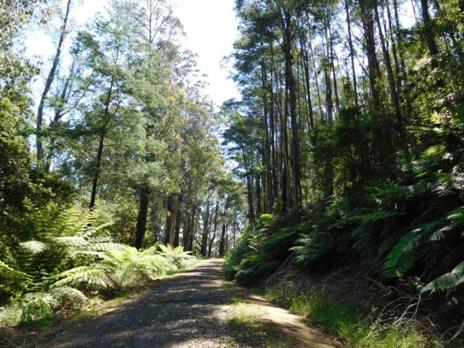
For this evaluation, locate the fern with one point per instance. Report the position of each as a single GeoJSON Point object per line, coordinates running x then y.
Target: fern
{"type": "Point", "coordinates": [68, 294]}
{"type": "Point", "coordinates": [176, 255]}
{"type": "Point", "coordinates": [310, 247]}
{"type": "Point", "coordinates": [13, 281]}
{"type": "Point", "coordinates": [130, 267]}
{"type": "Point", "coordinates": [34, 246]}
{"type": "Point", "coordinates": [87, 277]}
{"type": "Point", "coordinates": [37, 306]}
{"type": "Point", "coordinates": [448, 281]}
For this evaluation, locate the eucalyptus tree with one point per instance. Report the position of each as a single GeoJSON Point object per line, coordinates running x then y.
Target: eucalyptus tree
{"type": "Point", "coordinates": [109, 46]}
{"type": "Point", "coordinates": [50, 78]}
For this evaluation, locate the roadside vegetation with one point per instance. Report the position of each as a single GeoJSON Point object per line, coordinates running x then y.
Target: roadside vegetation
{"type": "Point", "coordinates": [111, 173]}
{"type": "Point", "coordinates": [72, 263]}
{"type": "Point", "coordinates": [349, 139]}
{"type": "Point", "coordinates": [344, 320]}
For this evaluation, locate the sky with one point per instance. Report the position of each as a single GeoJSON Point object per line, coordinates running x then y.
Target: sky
{"type": "Point", "coordinates": [210, 27]}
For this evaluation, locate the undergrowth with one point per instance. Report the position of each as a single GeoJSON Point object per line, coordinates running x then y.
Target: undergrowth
{"type": "Point", "coordinates": [72, 261]}
{"type": "Point", "coordinates": [341, 319]}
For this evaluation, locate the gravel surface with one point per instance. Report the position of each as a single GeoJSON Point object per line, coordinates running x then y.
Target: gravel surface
{"type": "Point", "coordinates": [191, 309]}
{"type": "Point", "coordinates": [188, 310]}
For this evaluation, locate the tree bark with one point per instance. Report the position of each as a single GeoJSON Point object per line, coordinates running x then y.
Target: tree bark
{"type": "Point", "coordinates": [429, 34]}
{"type": "Point", "coordinates": [222, 244]}
{"type": "Point", "coordinates": [176, 240]}
{"type": "Point", "coordinates": [170, 221]}
{"type": "Point", "coordinates": [142, 218]}
{"type": "Point", "coordinates": [390, 76]}
{"type": "Point", "coordinates": [290, 87]}
{"type": "Point", "coordinates": [48, 83]}
{"type": "Point", "coordinates": [350, 42]}
{"type": "Point", "coordinates": [204, 236]}
{"type": "Point", "coordinates": [101, 142]}
{"type": "Point", "coordinates": [210, 248]}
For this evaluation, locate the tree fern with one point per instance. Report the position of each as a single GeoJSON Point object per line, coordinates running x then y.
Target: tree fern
{"type": "Point", "coordinates": [86, 277]}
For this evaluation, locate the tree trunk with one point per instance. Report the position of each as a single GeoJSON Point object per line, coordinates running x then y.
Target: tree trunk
{"type": "Point", "coordinates": [96, 175]}
{"type": "Point", "coordinates": [48, 83]}
{"type": "Point", "coordinates": [156, 228]}
{"type": "Point", "coordinates": [192, 230]}
{"type": "Point", "coordinates": [204, 237]}
{"type": "Point", "coordinates": [290, 87]}
{"type": "Point", "coordinates": [429, 33]}
{"type": "Point", "coordinates": [142, 218]}
{"type": "Point", "coordinates": [391, 78]}
{"type": "Point", "coordinates": [176, 241]}
{"type": "Point", "coordinates": [307, 80]}
{"type": "Point", "coordinates": [350, 42]}
{"type": "Point", "coordinates": [373, 64]}
{"type": "Point", "coordinates": [222, 244]}
{"type": "Point", "coordinates": [170, 221]}
{"type": "Point", "coordinates": [210, 248]}
{"type": "Point", "coordinates": [251, 212]}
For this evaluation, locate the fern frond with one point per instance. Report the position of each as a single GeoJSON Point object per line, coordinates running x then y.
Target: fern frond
{"type": "Point", "coordinates": [7, 272]}
{"type": "Point", "coordinates": [447, 281]}
{"type": "Point", "coordinates": [83, 276]}
{"type": "Point", "coordinates": [34, 246]}
{"type": "Point", "coordinates": [107, 247]}
{"type": "Point", "coordinates": [66, 293]}
{"type": "Point", "coordinates": [73, 241]}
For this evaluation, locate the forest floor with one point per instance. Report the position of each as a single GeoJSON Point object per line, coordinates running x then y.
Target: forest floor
{"type": "Point", "coordinates": [193, 309]}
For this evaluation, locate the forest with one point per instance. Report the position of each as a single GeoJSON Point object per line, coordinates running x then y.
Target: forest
{"type": "Point", "coordinates": [335, 183]}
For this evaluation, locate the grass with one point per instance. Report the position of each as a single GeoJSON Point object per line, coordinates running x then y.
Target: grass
{"type": "Point", "coordinates": [342, 320]}
{"type": "Point", "coordinates": [245, 326]}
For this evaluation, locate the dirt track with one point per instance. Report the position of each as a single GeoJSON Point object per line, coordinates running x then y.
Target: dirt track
{"type": "Point", "coordinates": [189, 310]}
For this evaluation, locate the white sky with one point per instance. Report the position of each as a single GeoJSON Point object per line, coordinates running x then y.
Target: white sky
{"type": "Point", "coordinates": [210, 27]}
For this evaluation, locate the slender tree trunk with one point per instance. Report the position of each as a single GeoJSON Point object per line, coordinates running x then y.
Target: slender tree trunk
{"type": "Point", "coordinates": [170, 221]}
{"type": "Point", "coordinates": [332, 66]}
{"type": "Point", "coordinates": [204, 237]}
{"type": "Point", "coordinates": [316, 78]}
{"type": "Point", "coordinates": [251, 211]}
{"type": "Point", "coordinates": [210, 247]}
{"type": "Point", "coordinates": [142, 218]}
{"type": "Point", "coordinates": [222, 244]}
{"type": "Point", "coordinates": [101, 143]}
{"type": "Point", "coordinates": [96, 174]}
{"type": "Point", "coordinates": [350, 42]}
{"type": "Point", "coordinates": [176, 240]}
{"type": "Point", "coordinates": [192, 229]}
{"type": "Point", "coordinates": [290, 87]}
{"type": "Point", "coordinates": [186, 233]}
{"type": "Point", "coordinates": [267, 143]}
{"type": "Point", "coordinates": [307, 80]}
{"type": "Point", "coordinates": [373, 64]}
{"type": "Point", "coordinates": [273, 122]}
{"type": "Point", "coordinates": [48, 83]}
{"type": "Point", "coordinates": [390, 76]}
{"type": "Point", "coordinates": [429, 33]}
{"type": "Point", "coordinates": [258, 196]}
{"type": "Point", "coordinates": [155, 222]}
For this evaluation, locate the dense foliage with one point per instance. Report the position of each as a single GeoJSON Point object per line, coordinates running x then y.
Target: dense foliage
{"type": "Point", "coordinates": [350, 133]}
{"type": "Point", "coordinates": [110, 164]}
